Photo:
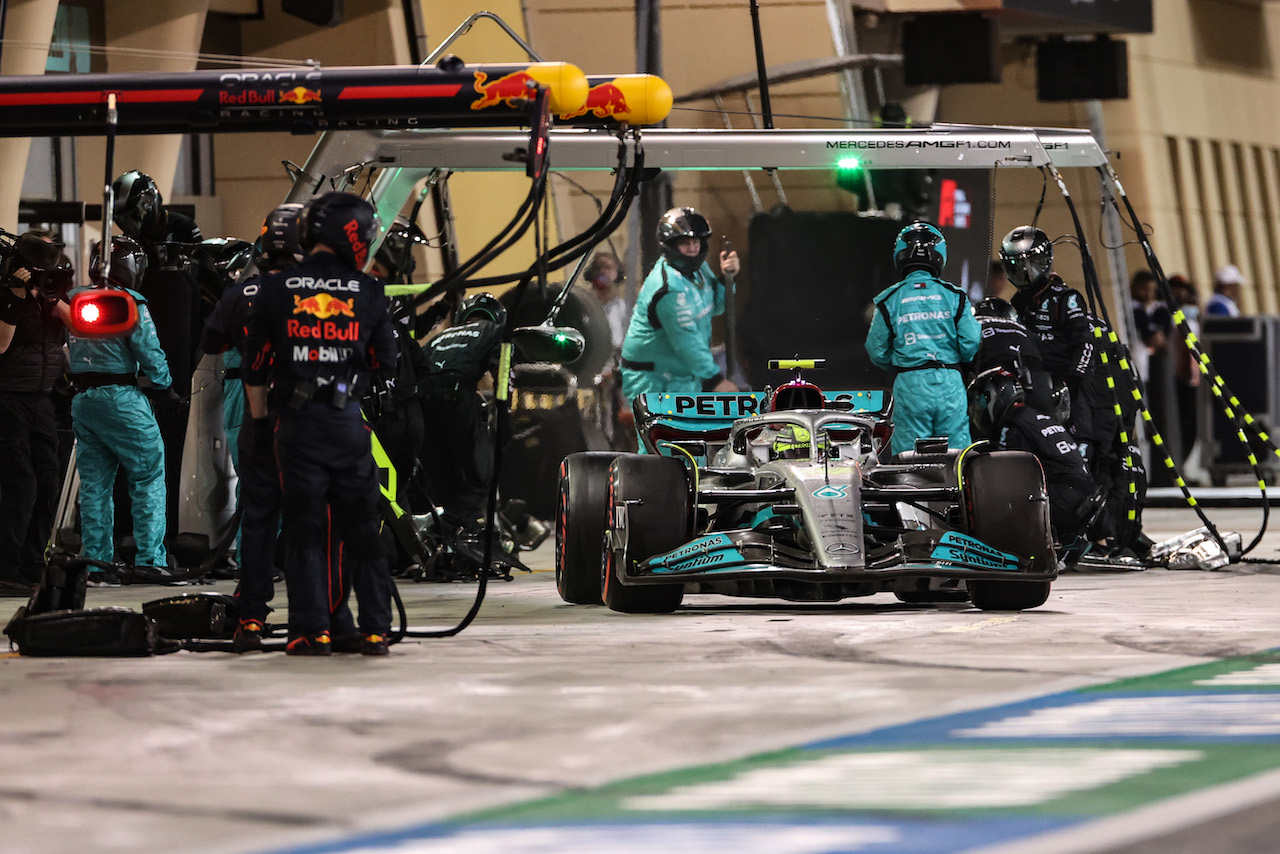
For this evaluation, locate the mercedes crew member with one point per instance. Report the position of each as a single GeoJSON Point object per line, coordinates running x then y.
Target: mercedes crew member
{"type": "Point", "coordinates": [115, 427]}
{"type": "Point", "coordinates": [667, 347]}
{"type": "Point", "coordinates": [1007, 344]}
{"type": "Point", "coordinates": [1059, 318]}
{"type": "Point", "coordinates": [459, 466]}
{"type": "Point", "coordinates": [317, 332]}
{"type": "Point", "coordinates": [925, 331]}
{"type": "Point", "coordinates": [999, 413]}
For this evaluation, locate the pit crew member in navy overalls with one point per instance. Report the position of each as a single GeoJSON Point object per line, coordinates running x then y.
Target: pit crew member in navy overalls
{"type": "Point", "coordinates": [999, 415]}
{"type": "Point", "coordinates": [1058, 316]}
{"type": "Point", "coordinates": [1007, 344]}
{"type": "Point", "coordinates": [924, 329]}
{"type": "Point", "coordinates": [115, 427]}
{"type": "Point", "coordinates": [460, 466]}
{"type": "Point", "coordinates": [317, 332]}
{"type": "Point", "coordinates": [667, 347]}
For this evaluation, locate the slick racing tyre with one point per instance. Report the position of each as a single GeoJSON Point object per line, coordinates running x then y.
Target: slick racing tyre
{"type": "Point", "coordinates": [1006, 506]}
{"type": "Point", "coordinates": [655, 492]}
{"type": "Point", "coordinates": [582, 508]}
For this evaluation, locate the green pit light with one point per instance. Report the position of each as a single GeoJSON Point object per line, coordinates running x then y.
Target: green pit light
{"type": "Point", "coordinates": [849, 163]}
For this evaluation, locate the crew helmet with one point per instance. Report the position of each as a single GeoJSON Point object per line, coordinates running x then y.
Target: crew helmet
{"type": "Point", "coordinates": [396, 252]}
{"type": "Point", "coordinates": [344, 222]}
{"type": "Point", "coordinates": [992, 394]}
{"type": "Point", "coordinates": [227, 257]}
{"type": "Point", "coordinates": [138, 208]}
{"type": "Point", "coordinates": [482, 307]}
{"type": "Point", "coordinates": [683, 222]}
{"type": "Point", "coordinates": [128, 263]}
{"type": "Point", "coordinates": [1027, 255]}
{"type": "Point", "coordinates": [920, 246]}
{"type": "Point", "coordinates": [279, 245]}
{"type": "Point", "coordinates": [996, 307]}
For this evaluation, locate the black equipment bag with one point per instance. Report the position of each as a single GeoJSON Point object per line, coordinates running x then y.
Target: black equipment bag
{"type": "Point", "coordinates": [194, 615]}
{"type": "Point", "coordinates": [62, 586]}
{"type": "Point", "coordinates": [95, 632]}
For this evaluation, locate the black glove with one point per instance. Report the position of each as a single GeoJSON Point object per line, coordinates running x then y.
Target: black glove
{"type": "Point", "coordinates": [261, 436]}
{"type": "Point", "coordinates": [164, 399]}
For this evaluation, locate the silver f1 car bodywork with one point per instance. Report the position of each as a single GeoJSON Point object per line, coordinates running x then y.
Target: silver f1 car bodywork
{"type": "Point", "coordinates": [713, 508]}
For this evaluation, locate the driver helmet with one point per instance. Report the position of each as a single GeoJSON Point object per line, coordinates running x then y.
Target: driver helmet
{"type": "Point", "coordinates": [791, 443]}
{"type": "Point", "coordinates": [344, 222]}
{"type": "Point", "coordinates": [128, 263]}
{"type": "Point", "coordinates": [279, 246]}
{"type": "Point", "coordinates": [920, 246]}
{"type": "Point", "coordinates": [482, 307]}
{"type": "Point", "coordinates": [996, 307]}
{"type": "Point", "coordinates": [797, 394]}
{"type": "Point", "coordinates": [1027, 255]}
{"type": "Point", "coordinates": [992, 395]}
{"type": "Point", "coordinates": [683, 222]}
{"type": "Point", "coordinates": [138, 209]}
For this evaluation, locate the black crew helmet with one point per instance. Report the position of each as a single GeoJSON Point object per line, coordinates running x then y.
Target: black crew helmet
{"type": "Point", "coordinates": [1027, 255]}
{"type": "Point", "coordinates": [996, 307]}
{"type": "Point", "coordinates": [683, 222]}
{"type": "Point", "coordinates": [992, 394]}
{"type": "Point", "coordinates": [227, 257]}
{"type": "Point", "coordinates": [138, 209]}
{"type": "Point", "coordinates": [128, 263]}
{"type": "Point", "coordinates": [482, 307]}
{"type": "Point", "coordinates": [920, 246]}
{"type": "Point", "coordinates": [396, 252]}
{"type": "Point", "coordinates": [279, 245]}
{"type": "Point", "coordinates": [344, 222]}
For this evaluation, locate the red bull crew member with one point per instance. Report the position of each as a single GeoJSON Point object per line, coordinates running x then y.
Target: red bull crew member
{"type": "Point", "coordinates": [925, 330]}
{"type": "Point", "coordinates": [317, 332]}
{"type": "Point", "coordinates": [668, 342]}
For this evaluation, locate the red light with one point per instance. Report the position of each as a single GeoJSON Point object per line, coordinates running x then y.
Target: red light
{"type": "Point", "coordinates": [89, 312]}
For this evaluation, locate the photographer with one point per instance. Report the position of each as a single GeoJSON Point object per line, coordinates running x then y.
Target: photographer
{"type": "Point", "coordinates": [31, 360]}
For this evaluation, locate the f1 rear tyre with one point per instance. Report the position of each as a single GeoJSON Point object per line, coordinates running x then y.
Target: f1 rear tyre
{"type": "Point", "coordinates": [1006, 505]}
{"type": "Point", "coordinates": [655, 492]}
{"type": "Point", "coordinates": [582, 510]}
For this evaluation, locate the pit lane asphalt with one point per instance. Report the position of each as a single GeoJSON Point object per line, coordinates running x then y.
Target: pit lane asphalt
{"type": "Point", "coordinates": [212, 752]}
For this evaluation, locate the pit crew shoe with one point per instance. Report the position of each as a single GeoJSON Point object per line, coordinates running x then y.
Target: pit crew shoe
{"type": "Point", "coordinates": [154, 575]}
{"type": "Point", "coordinates": [347, 643]}
{"type": "Point", "coordinates": [102, 578]}
{"type": "Point", "coordinates": [375, 645]}
{"type": "Point", "coordinates": [317, 644]}
{"type": "Point", "coordinates": [248, 636]}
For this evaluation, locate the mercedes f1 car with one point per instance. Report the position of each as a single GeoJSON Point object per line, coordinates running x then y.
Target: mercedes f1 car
{"type": "Point", "coordinates": [782, 494]}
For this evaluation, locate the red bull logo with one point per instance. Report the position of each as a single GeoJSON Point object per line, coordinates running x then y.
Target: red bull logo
{"type": "Point", "coordinates": [603, 101]}
{"type": "Point", "coordinates": [299, 95]}
{"type": "Point", "coordinates": [508, 89]}
{"type": "Point", "coordinates": [359, 248]}
{"type": "Point", "coordinates": [324, 306]}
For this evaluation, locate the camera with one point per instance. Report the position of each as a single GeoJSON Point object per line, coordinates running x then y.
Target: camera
{"type": "Point", "coordinates": [50, 276]}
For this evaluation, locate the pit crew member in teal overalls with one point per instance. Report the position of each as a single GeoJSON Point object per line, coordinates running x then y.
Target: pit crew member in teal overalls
{"type": "Point", "coordinates": [115, 427]}
{"type": "Point", "coordinates": [667, 347]}
{"type": "Point", "coordinates": [924, 329]}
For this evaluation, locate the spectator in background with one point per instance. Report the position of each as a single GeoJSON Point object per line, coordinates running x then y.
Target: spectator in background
{"type": "Point", "coordinates": [604, 274]}
{"type": "Point", "coordinates": [1186, 372]}
{"type": "Point", "coordinates": [1153, 324]}
{"type": "Point", "coordinates": [1226, 292]}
